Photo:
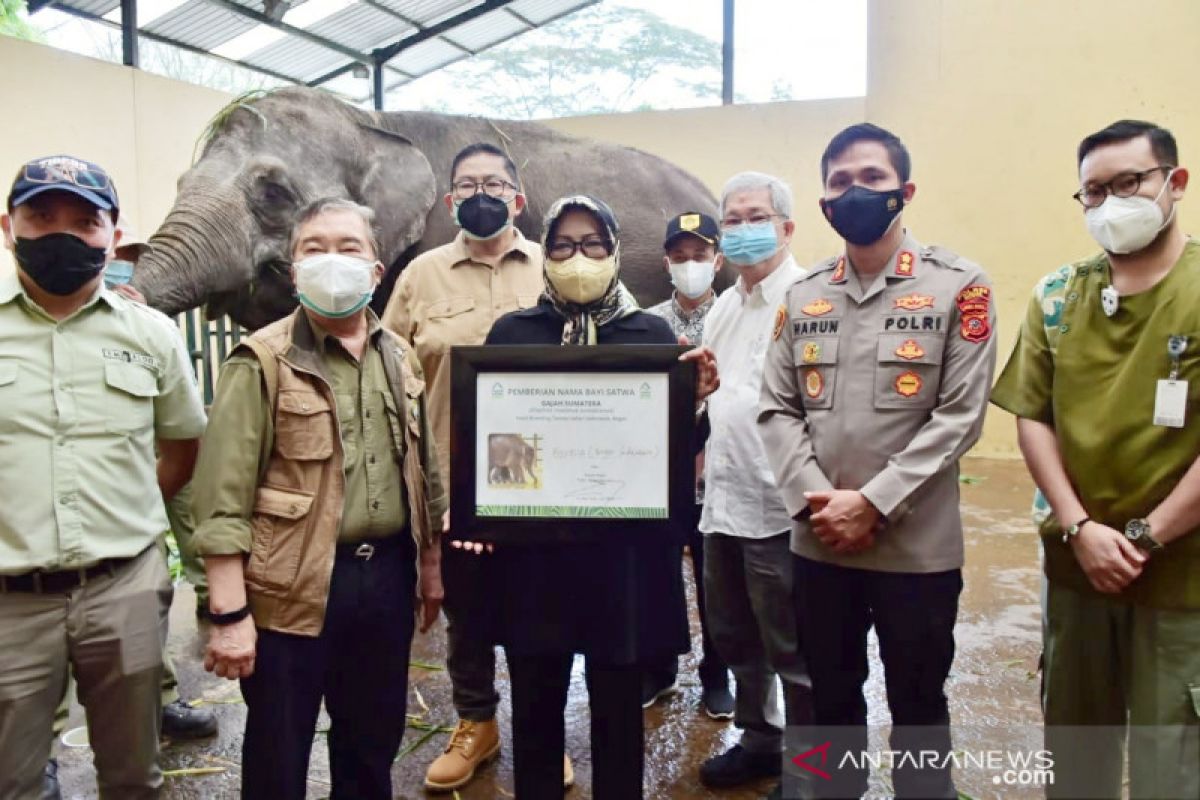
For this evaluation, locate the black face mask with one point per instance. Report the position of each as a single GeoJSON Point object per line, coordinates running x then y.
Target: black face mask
{"type": "Point", "coordinates": [60, 263]}
{"type": "Point", "coordinates": [482, 216]}
{"type": "Point", "coordinates": [862, 216]}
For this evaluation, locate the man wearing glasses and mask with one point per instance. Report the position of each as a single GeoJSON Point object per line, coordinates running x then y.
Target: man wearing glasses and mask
{"type": "Point", "coordinates": [450, 296]}
{"type": "Point", "coordinates": [1103, 381]}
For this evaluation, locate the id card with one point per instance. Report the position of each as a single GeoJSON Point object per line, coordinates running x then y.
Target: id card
{"type": "Point", "coordinates": [1170, 403]}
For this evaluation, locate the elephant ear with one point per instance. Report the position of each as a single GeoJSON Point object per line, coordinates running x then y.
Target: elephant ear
{"type": "Point", "coordinates": [397, 182]}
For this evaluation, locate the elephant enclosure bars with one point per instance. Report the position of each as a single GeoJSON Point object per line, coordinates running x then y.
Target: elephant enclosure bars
{"type": "Point", "coordinates": [209, 342]}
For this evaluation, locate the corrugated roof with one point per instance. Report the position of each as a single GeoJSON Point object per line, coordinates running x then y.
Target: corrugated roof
{"type": "Point", "coordinates": [349, 33]}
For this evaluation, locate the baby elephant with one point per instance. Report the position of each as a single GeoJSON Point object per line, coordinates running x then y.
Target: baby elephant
{"type": "Point", "coordinates": [510, 458]}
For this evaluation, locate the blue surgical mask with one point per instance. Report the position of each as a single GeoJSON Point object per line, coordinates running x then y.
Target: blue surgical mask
{"type": "Point", "coordinates": [118, 273]}
{"type": "Point", "coordinates": [748, 244]}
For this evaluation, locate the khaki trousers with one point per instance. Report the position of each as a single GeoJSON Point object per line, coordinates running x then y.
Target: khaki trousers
{"type": "Point", "coordinates": [1116, 672]}
{"type": "Point", "coordinates": [111, 633]}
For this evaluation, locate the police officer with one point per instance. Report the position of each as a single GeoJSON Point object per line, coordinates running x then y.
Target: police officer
{"type": "Point", "coordinates": [875, 385]}
{"type": "Point", "coordinates": [90, 384]}
{"type": "Point", "coordinates": [1099, 381]}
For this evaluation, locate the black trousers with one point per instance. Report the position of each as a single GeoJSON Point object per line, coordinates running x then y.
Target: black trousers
{"type": "Point", "coordinates": [358, 665]}
{"type": "Point", "coordinates": [712, 671]}
{"type": "Point", "coordinates": [914, 617]}
{"type": "Point", "coordinates": [539, 700]}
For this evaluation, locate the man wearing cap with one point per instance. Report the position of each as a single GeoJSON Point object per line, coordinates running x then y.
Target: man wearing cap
{"type": "Point", "coordinates": [450, 296]}
{"type": "Point", "coordinates": [90, 383]}
{"type": "Point", "coordinates": [747, 568]}
{"type": "Point", "coordinates": [691, 261]}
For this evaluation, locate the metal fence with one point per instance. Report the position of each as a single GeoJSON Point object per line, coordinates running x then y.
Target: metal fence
{"type": "Point", "coordinates": [208, 343]}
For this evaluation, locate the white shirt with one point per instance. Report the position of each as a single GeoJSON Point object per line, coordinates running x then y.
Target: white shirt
{"type": "Point", "coordinates": [740, 495]}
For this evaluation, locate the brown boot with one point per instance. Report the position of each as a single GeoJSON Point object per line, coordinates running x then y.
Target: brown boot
{"type": "Point", "coordinates": [472, 745]}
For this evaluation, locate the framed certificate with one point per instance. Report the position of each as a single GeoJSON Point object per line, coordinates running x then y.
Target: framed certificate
{"type": "Point", "coordinates": [553, 443]}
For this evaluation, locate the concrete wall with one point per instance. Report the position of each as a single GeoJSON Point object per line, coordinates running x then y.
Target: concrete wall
{"type": "Point", "coordinates": [140, 127]}
{"type": "Point", "coordinates": [991, 96]}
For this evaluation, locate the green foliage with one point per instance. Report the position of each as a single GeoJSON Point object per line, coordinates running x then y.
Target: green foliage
{"type": "Point", "coordinates": [245, 101]}
{"type": "Point", "coordinates": [597, 60]}
{"type": "Point", "coordinates": [13, 21]}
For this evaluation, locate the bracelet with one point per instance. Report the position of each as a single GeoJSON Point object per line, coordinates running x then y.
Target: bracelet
{"type": "Point", "coordinates": [231, 618]}
{"type": "Point", "coordinates": [1071, 531]}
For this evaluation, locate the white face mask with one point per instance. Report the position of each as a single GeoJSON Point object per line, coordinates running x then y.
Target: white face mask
{"type": "Point", "coordinates": [335, 285]}
{"type": "Point", "coordinates": [1125, 225]}
{"type": "Point", "coordinates": [693, 278]}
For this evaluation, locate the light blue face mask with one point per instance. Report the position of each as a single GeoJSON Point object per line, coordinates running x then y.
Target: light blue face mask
{"type": "Point", "coordinates": [118, 273]}
{"type": "Point", "coordinates": [748, 244]}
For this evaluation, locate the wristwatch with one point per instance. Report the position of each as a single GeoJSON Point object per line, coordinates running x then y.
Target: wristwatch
{"type": "Point", "coordinates": [1071, 531]}
{"type": "Point", "coordinates": [1138, 532]}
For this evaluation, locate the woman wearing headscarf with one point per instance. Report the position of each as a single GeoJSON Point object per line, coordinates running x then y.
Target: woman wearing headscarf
{"type": "Point", "coordinates": [619, 604]}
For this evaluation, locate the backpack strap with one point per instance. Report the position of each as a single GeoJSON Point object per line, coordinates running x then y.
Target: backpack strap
{"type": "Point", "coordinates": [270, 369]}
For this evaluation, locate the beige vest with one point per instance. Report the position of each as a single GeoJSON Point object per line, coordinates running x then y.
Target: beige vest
{"type": "Point", "coordinates": [299, 498]}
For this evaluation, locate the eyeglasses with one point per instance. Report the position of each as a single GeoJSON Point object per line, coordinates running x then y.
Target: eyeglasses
{"type": "Point", "coordinates": [492, 187]}
{"type": "Point", "coordinates": [754, 219]}
{"type": "Point", "coordinates": [592, 247]}
{"type": "Point", "coordinates": [58, 172]}
{"type": "Point", "coordinates": [1126, 184]}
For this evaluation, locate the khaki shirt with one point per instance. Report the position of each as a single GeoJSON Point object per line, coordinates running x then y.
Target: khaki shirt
{"type": "Point", "coordinates": [82, 402]}
{"type": "Point", "coordinates": [882, 390]}
{"type": "Point", "coordinates": [242, 432]}
{"type": "Point", "coordinates": [446, 298]}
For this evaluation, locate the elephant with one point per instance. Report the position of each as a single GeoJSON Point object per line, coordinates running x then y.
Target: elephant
{"type": "Point", "coordinates": [224, 244]}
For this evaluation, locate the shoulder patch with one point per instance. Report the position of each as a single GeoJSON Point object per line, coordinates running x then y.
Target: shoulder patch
{"type": "Point", "coordinates": [974, 302]}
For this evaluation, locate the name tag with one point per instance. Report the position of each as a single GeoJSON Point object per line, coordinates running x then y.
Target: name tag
{"type": "Point", "coordinates": [1170, 403]}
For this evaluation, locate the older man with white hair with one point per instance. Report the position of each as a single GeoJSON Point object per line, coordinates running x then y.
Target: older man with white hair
{"type": "Point", "coordinates": [748, 570]}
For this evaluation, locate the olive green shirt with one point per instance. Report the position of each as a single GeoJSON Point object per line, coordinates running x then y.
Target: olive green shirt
{"type": "Point", "coordinates": [82, 401]}
{"type": "Point", "coordinates": [1094, 378]}
{"type": "Point", "coordinates": [242, 432]}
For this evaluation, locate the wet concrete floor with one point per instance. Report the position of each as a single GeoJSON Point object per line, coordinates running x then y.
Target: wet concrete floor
{"type": "Point", "coordinates": [993, 687]}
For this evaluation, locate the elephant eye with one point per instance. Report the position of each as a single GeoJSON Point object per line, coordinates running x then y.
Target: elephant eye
{"type": "Point", "coordinates": [275, 194]}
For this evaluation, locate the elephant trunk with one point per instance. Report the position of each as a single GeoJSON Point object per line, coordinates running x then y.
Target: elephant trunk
{"type": "Point", "coordinates": [202, 248]}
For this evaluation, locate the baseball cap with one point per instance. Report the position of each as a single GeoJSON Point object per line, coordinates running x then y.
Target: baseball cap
{"type": "Point", "coordinates": [702, 226]}
{"type": "Point", "coordinates": [64, 174]}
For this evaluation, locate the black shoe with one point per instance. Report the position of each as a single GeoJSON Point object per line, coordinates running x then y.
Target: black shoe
{"type": "Point", "coordinates": [50, 790]}
{"type": "Point", "coordinates": [718, 702]}
{"type": "Point", "coordinates": [181, 721]}
{"type": "Point", "coordinates": [654, 688]}
{"type": "Point", "coordinates": [736, 766]}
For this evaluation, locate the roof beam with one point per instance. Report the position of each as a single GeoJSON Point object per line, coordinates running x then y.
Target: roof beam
{"type": "Point", "coordinates": [532, 25]}
{"type": "Point", "coordinates": [292, 30]}
{"type": "Point", "coordinates": [385, 54]}
{"type": "Point", "coordinates": [159, 39]}
{"type": "Point", "coordinates": [375, 4]}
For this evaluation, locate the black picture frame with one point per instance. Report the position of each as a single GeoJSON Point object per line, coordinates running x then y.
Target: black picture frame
{"type": "Point", "coordinates": [466, 365]}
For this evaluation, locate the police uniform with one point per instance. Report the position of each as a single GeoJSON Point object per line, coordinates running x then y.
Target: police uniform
{"type": "Point", "coordinates": [881, 389]}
